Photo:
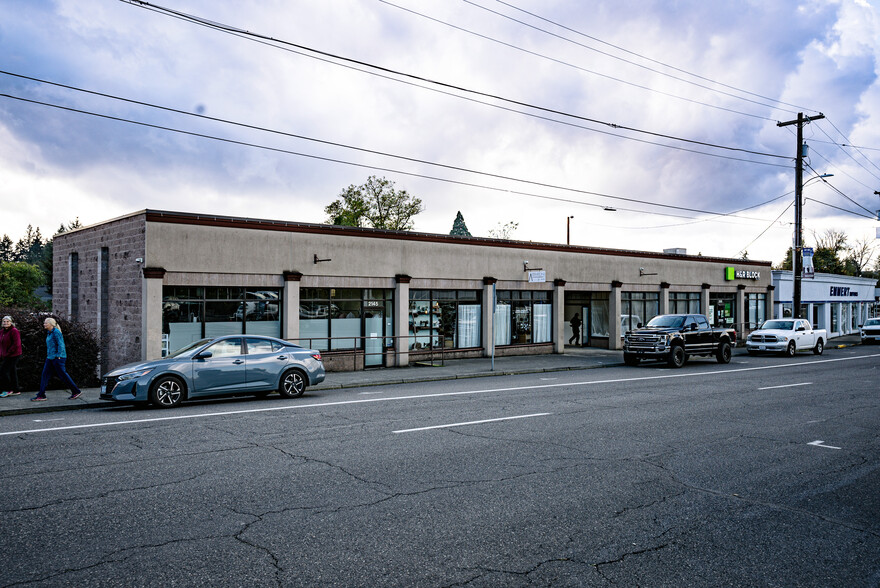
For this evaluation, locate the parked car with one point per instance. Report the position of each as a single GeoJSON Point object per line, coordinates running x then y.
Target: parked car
{"type": "Point", "coordinates": [218, 366]}
{"type": "Point", "coordinates": [674, 338]}
{"type": "Point", "coordinates": [870, 331]}
{"type": "Point", "coordinates": [786, 336]}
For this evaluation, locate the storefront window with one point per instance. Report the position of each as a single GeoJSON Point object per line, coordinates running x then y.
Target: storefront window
{"type": "Point", "coordinates": [190, 313]}
{"type": "Point", "coordinates": [347, 318]}
{"type": "Point", "coordinates": [757, 309]}
{"type": "Point", "coordinates": [835, 317]}
{"type": "Point", "coordinates": [523, 317]}
{"type": "Point", "coordinates": [637, 307]}
{"type": "Point", "coordinates": [444, 318]}
{"type": "Point", "coordinates": [722, 310]}
{"type": "Point", "coordinates": [684, 303]}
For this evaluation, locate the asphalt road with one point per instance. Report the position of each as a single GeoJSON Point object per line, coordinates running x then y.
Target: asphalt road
{"type": "Point", "coordinates": [764, 472]}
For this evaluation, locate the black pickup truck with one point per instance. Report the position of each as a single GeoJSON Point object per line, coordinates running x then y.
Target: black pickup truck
{"type": "Point", "coordinates": [675, 337]}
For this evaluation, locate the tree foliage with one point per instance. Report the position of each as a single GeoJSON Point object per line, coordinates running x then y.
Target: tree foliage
{"type": "Point", "coordinates": [503, 231]}
{"type": "Point", "coordinates": [459, 227]}
{"type": "Point", "coordinates": [376, 204]}
{"type": "Point", "coordinates": [18, 280]}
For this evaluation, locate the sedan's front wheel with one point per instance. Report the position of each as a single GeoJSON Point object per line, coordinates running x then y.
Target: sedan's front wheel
{"type": "Point", "coordinates": [293, 384]}
{"type": "Point", "coordinates": [166, 392]}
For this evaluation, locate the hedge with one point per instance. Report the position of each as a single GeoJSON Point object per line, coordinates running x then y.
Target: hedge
{"type": "Point", "coordinates": [79, 342]}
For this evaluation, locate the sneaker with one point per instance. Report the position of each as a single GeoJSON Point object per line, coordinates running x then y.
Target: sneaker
{"type": "Point", "coordinates": [13, 393]}
{"type": "Point", "coordinates": [74, 395]}
{"type": "Point", "coordinates": [38, 398]}
{"type": "Point", "coordinates": [4, 394]}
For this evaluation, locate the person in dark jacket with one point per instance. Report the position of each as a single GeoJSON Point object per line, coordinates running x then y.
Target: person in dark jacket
{"type": "Point", "coordinates": [10, 351]}
{"type": "Point", "coordinates": [575, 323]}
{"type": "Point", "coordinates": [56, 357]}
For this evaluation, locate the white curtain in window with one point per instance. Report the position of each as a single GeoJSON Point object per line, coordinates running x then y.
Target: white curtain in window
{"type": "Point", "coordinates": [541, 330]}
{"type": "Point", "coordinates": [502, 324]}
{"type": "Point", "coordinates": [468, 329]}
{"type": "Point", "coordinates": [599, 318]}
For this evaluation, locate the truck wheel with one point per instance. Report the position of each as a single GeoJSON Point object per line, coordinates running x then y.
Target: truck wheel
{"type": "Point", "coordinates": [724, 353]}
{"type": "Point", "coordinates": [677, 357]}
{"type": "Point", "coordinates": [630, 359]}
{"type": "Point", "coordinates": [791, 350]}
{"type": "Point", "coordinates": [819, 348]}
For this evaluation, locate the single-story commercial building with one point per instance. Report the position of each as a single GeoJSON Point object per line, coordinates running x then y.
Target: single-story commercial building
{"type": "Point", "coordinates": [152, 281]}
{"type": "Point", "coordinates": [838, 304]}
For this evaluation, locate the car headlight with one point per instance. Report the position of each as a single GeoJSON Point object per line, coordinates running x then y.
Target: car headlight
{"type": "Point", "coordinates": [133, 375]}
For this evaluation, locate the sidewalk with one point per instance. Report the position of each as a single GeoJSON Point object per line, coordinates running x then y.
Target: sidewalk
{"type": "Point", "coordinates": [574, 358]}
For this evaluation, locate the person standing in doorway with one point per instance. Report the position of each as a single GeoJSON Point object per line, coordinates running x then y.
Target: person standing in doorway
{"type": "Point", "coordinates": [56, 357]}
{"type": "Point", "coordinates": [575, 323]}
{"type": "Point", "coordinates": [10, 351]}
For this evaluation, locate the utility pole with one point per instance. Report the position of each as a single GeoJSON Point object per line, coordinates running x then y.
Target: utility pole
{"type": "Point", "coordinates": [796, 259]}
{"type": "Point", "coordinates": [568, 230]}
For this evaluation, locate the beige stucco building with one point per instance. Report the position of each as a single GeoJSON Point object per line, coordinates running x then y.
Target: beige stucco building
{"type": "Point", "coordinates": [152, 281]}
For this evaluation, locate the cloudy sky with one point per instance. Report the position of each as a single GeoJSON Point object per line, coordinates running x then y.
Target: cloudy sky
{"type": "Point", "coordinates": [523, 111]}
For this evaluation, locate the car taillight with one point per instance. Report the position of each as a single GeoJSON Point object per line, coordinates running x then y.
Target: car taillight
{"type": "Point", "coordinates": [317, 356]}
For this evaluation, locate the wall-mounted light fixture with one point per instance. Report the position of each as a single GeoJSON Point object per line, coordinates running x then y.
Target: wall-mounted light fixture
{"type": "Point", "coordinates": [526, 267]}
{"type": "Point", "coordinates": [320, 260]}
{"type": "Point", "coordinates": [642, 272]}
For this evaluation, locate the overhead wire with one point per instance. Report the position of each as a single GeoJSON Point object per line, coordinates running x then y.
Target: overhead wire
{"type": "Point", "coordinates": [407, 173]}
{"type": "Point", "coordinates": [571, 65]}
{"type": "Point", "coordinates": [651, 60]}
{"type": "Point", "coordinates": [270, 40]}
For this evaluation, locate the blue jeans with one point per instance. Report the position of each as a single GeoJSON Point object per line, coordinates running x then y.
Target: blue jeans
{"type": "Point", "coordinates": [56, 365]}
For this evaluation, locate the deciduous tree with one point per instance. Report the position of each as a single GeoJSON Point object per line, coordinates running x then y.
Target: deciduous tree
{"type": "Point", "coordinates": [375, 204]}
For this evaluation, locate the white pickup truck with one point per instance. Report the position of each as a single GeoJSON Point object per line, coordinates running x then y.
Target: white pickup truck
{"type": "Point", "coordinates": [786, 336]}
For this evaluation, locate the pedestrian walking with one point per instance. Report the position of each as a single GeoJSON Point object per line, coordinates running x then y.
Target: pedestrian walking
{"type": "Point", "coordinates": [10, 351]}
{"type": "Point", "coordinates": [56, 357]}
{"type": "Point", "coordinates": [575, 323]}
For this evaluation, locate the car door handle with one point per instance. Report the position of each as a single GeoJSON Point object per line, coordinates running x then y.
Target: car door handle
{"type": "Point", "coordinates": [282, 357]}
{"type": "Point", "coordinates": [238, 361]}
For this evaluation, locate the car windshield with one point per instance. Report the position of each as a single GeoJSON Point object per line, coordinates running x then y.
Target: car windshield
{"type": "Point", "coordinates": [778, 325]}
{"type": "Point", "coordinates": [667, 322]}
{"type": "Point", "coordinates": [872, 323]}
{"type": "Point", "coordinates": [187, 348]}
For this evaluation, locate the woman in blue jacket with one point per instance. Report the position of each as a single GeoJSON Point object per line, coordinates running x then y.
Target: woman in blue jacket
{"type": "Point", "coordinates": [56, 357]}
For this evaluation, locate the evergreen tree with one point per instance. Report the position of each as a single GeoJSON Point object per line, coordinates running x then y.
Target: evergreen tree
{"type": "Point", "coordinates": [459, 227]}
{"type": "Point", "coordinates": [7, 252]}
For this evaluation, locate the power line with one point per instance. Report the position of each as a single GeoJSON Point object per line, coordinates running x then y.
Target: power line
{"type": "Point", "coordinates": [565, 63]}
{"type": "Point", "coordinates": [401, 172]}
{"type": "Point", "coordinates": [263, 38]}
{"type": "Point", "coordinates": [841, 209]}
{"type": "Point", "coordinates": [619, 48]}
{"type": "Point", "coordinates": [770, 226]}
{"type": "Point", "coordinates": [830, 185]}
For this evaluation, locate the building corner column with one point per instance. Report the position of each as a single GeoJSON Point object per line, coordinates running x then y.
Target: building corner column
{"type": "Point", "coordinates": [740, 318]}
{"type": "Point", "coordinates": [704, 302]}
{"type": "Point", "coordinates": [558, 314]}
{"type": "Point", "coordinates": [401, 320]}
{"type": "Point", "coordinates": [614, 333]}
{"type": "Point", "coordinates": [151, 312]}
{"type": "Point", "coordinates": [290, 306]}
{"type": "Point", "coordinates": [488, 316]}
{"type": "Point", "coordinates": [664, 297]}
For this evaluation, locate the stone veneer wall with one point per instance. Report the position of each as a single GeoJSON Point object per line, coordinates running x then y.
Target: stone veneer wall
{"type": "Point", "coordinates": [125, 240]}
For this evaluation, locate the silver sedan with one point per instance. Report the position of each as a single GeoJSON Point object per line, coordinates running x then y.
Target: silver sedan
{"type": "Point", "coordinates": [219, 366]}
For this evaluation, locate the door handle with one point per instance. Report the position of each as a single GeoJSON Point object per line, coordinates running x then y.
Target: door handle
{"type": "Point", "coordinates": [282, 357]}
{"type": "Point", "coordinates": [238, 361]}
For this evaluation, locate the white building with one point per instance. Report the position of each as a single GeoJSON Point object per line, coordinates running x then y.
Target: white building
{"type": "Point", "coordinates": [836, 303]}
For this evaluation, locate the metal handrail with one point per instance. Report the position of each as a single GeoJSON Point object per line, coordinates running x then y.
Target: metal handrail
{"type": "Point", "coordinates": [357, 345]}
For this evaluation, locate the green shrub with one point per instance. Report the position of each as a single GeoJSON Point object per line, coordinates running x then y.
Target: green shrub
{"type": "Point", "coordinates": [79, 342]}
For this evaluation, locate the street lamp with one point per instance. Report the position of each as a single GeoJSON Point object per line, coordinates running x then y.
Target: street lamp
{"type": "Point", "coordinates": [796, 254]}
{"type": "Point", "coordinates": [568, 230]}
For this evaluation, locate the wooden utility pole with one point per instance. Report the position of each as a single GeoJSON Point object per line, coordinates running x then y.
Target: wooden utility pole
{"type": "Point", "coordinates": [796, 258]}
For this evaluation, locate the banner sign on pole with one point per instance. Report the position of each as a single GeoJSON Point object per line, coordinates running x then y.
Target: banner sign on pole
{"type": "Point", "coordinates": [809, 270]}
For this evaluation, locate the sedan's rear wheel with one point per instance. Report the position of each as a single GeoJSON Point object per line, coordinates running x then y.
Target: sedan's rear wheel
{"type": "Point", "coordinates": [166, 392]}
{"type": "Point", "coordinates": [293, 384]}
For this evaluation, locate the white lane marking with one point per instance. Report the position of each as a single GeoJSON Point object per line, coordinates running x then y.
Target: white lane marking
{"type": "Point", "coordinates": [548, 379]}
{"type": "Point", "coordinates": [525, 416]}
{"type": "Point", "coordinates": [46, 420]}
{"type": "Point", "coordinates": [819, 443]}
{"type": "Point", "coordinates": [435, 395]}
{"type": "Point", "coordinates": [786, 386]}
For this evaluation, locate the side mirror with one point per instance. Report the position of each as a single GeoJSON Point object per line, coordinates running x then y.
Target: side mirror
{"type": "Point", "coordinates": [639, 326]}
{"type": "Point", "coordinates": [204, 355]}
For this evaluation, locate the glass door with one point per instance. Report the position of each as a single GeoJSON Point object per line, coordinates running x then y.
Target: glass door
{"type": "Point", "coordinates": [374, 327]}
{"type": "Point", "coordinates": [586, 328]}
